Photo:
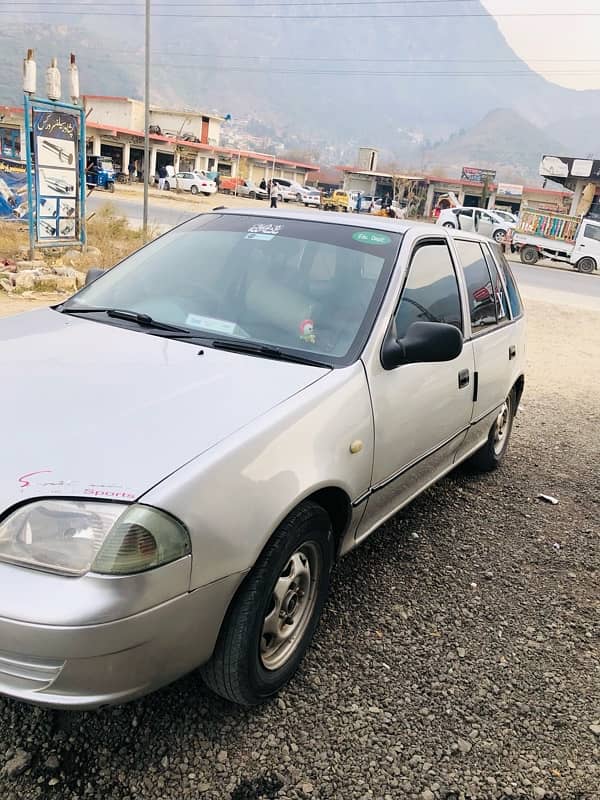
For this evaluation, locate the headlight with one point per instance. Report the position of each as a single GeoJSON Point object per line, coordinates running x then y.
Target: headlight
{"type": "Point", "coordinates": [74, 537]}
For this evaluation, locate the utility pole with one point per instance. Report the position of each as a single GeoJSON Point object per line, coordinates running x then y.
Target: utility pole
{"type": "Point", "coordinates": [146, 120]}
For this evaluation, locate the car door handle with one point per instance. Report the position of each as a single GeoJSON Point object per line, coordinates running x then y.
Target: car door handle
{"type": "Point", "coordinates": [512, 352]}
{"type": "Point", "coordinates": [463, 378]}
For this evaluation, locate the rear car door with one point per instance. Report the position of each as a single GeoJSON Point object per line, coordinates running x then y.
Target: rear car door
{"type": "Point", "coordinates": [421, 411]}
{"type": "Point", "coordinates": [486, 224]}
{"type": "Point", "coordinates": [495, 338]}
{"type": "Point", "coordinates": [465, 219]}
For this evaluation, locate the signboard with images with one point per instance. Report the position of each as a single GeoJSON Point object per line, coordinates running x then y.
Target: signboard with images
{"type": "Point", "coordinates": [13, 189]}
{"type": "Point", "coordinates": [57, 174]}
{"type": "Point", "coordinates": [477, 175]}
{"type": "Point", "coordinates": [565, 167]}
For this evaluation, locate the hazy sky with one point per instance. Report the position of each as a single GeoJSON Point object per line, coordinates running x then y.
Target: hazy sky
{"type": "Point", "coordinates": [560, 38]}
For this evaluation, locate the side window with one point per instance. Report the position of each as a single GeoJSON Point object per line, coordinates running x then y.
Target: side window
{"type": "Point", "coordinates": [480, 288]}
{"type": "Point", "coordinates": [431, 290]}
{"type": "Point", "coordinates": [514, 298]}
{"type": "Point", "coordinates": [502, 313]}
{"type": "Point", "coordinates": [592, 232]}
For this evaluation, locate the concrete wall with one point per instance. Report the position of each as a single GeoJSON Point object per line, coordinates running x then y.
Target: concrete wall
{"type": "Point", "coordinates": [122, 113]}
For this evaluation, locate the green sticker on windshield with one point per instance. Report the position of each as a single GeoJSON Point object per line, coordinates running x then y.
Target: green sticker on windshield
{"type": "Point", "coordinates": [371, 237]}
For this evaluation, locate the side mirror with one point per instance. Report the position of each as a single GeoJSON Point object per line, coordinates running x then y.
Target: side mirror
{"type": "Point", "coordinates": [425, 342]}
{"type": "Point", "coordinates": [92, 274]}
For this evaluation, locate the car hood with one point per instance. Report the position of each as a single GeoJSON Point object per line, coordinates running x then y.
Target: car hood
{"type": "Point", "coordinates": [95, 410]}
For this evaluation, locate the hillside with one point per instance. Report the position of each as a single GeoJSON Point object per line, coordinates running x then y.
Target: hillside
{"type": "Point", "coordinates": [368, 79]}
{"type": "Point", "coordinates": [503, 140]}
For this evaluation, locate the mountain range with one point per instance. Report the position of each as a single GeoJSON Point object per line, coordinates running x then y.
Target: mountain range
{"type": "Point", "coordinates": [425, 91]}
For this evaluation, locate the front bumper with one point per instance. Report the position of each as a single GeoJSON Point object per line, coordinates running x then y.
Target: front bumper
{"type": "Point", "coordinates": [88, 666]}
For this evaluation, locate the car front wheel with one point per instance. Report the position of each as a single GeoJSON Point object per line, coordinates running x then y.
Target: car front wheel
{"type": "Point", "coordinates": [587, 265]}
{"type": "Point", "coordinates": [271, 622]}
{"type": "Point", "coordinates": [499, 236]}
{"type": "Point", "coordinates": [449, 225]}
{"type": "Point", "coordinates": [489, 457]}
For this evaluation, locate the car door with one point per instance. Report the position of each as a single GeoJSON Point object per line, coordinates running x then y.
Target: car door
{"type": "Point", "coordinates": [486, 224]}
{"type": "Point", "coordinates": [495, 338]}
{"type": "Point", "coordinates": [421, 411]}
{"type": "Point", "coordinates": [182, 181]}
{"type": "Point", "coordinates": [465, 219]}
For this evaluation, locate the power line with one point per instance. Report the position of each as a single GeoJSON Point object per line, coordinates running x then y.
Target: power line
{"type": "Point", "coordinates": [318, 17]}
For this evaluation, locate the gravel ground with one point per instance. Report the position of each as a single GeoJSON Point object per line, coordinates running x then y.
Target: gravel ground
{"type": "Point", "coordinates": [459, 656]}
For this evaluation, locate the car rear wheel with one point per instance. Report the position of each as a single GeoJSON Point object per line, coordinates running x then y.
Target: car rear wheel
{"type": "Point", "coordinates": [167, 185]}
{"type": "Point", "coordinates": [499, 236]}
{"type": "Point", "coordinates": [489, 457]}
{"type": "Point", "coordinates": [194, 190]}
{"type": "Point", "coordinates": [587, 265]}
{"type": "Point", "coordinates": [448, 225]}
{"type": "Point", "coordinates": [272, 620]}
{"type": "Point", "coordinates": [529, 254]}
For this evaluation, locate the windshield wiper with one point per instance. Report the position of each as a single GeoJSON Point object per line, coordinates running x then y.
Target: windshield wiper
{"type": "Point", "coordinates": [266, 351]}
{"type": "Point", "coordinates": [144, 320]}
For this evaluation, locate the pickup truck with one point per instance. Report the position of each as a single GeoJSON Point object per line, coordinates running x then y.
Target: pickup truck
{"type": "Point", "coordinates": [558, 237]}
{"type": "Point", "coordinates": [337, 201]}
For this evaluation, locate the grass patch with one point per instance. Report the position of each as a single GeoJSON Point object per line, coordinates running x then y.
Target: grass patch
{"type": "Point", "coordinates": [106, 230]}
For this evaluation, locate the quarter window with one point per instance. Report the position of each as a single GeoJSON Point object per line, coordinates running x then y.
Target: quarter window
{"type": "Point", "coordinates": [502, 314]}
{"type": "Point", "coordinates": [431, 290]}
{"type": "Point", "coordinates": [480, 287]}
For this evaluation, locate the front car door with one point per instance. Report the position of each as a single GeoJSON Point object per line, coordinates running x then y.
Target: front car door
{"type": "Point", "coordinates": [465, 219]}
{"type": "Point", "coordinates": [486, 224]}
{"type": "Point", "coordinates": [421, 411]}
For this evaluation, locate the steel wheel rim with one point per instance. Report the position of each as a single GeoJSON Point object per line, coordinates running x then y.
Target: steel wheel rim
{"type": "Point", "coordinates": [499, 236]}
{"type": "Point", "coordinates": [291, 606]}
{"type": "Point", "coordinates": [501, 428]}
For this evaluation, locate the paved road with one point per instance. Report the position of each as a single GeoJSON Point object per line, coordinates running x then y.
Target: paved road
{"type": "Point", "coordinates": [159, 214]}
{"type": "Point", "coordinates": [557, 285]}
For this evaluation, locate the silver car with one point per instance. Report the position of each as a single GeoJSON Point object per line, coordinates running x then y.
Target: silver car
{"type": "Point", "coordinates": [479, 220]}
{"type": "Point", "coordinates": [236, 406]}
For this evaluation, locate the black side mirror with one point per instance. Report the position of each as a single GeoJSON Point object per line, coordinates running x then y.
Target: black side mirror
{"type": "Point", "coordinates": [92, 274]}
{"type": "Point", "coordinates": [425, 342]}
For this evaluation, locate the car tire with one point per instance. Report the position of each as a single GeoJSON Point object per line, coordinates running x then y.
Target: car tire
{"type": "Point", "coordinates": [194, 189]}
{"type": "Point", "coordinates": [251, 663]}
{"type": "Point", "coordinates": [252, 195]}
{"type": "Point", "coordinates": [449, 225]}
{"type": "Point", "coordinates": [586, 265]}
{"type": "Point", "coordinates": [489, 457]}
{"type": "Point", "coordinates": [529, 254]}
{"type": "Point", "coordinates": [499, 236]}
{"type": "Point", "coordinates": [298, 198]}
{"type": "Point", "coordinates": [167, 186]}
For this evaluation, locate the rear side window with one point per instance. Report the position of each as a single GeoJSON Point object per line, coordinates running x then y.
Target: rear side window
{"type": "Point", "coordinates": [480, 287]}
{"type": "Point", "coordinates": [502, 312]}
{"type": "Point", "coordinates": [592, 232]}
{"type": "Point", "coordinates": [431, 290]}
{"type": "Point", "coordinates": [514, 298]}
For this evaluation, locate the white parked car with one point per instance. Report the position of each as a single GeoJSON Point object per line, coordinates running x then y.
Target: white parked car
{"type": "Point", "coordinates": [290, 190]}
{"type": "Point", "coordinates": [223, 450]}
{"type": "Point", "coordinates": [312, 197]}
{"type": "Point", "coordinates": [507, 215]}
{"type": "Point", "coordinates": [251, 190]}
{"type": "Point", "coordinates": [476, 220]}
{"type": "Point", "coordinates": [194, 182]}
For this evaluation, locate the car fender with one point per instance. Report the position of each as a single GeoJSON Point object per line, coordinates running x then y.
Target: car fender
{"type": "Point", "coordinates": [233, 497]}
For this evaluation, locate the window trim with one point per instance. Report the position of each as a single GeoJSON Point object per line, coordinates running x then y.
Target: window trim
{"type": "Point", "coordinates": [423, 242]}
{"type": "Point", "coordinates": [488, 329]}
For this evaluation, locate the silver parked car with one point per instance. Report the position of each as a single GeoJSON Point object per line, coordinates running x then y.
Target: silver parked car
{"type": "Point", "coordinates": [241, 402]}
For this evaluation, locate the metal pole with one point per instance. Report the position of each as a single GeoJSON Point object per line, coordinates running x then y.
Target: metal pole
{"type": "Point", "coordinates": [32, 214]}
{"type": "Point", "coordinates": [146, 120]}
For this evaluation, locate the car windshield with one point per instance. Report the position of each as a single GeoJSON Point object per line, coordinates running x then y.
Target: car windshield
{"type": "Point", "coordinates": [309, 287]}
{"type": "Point", "coordinates": [504, 215]}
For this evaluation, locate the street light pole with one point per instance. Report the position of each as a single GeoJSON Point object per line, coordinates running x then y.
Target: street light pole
{"type": "Point", "coordinates": [146, 120]}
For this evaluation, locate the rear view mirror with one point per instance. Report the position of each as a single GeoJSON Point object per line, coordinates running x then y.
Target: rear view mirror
{"type": "Point", "coordinates": [424, 342]}
{"type": "Point", "coordinates": [93, 274]}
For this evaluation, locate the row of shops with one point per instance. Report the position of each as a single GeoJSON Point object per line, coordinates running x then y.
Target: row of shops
{"type": "Point", "coordinates": [183, 139]}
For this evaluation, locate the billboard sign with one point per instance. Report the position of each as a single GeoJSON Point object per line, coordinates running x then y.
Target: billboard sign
{"type": "Point", "coordinates": [477, 175]}
{"type": "Point", "coordinates": [13, 189]}
{"type": "Point", "coordinates": [565, 167]}
{"type": "Point", "coordinates": [510, 190]}
{"type": "Point", "coordinates": [57, 175]}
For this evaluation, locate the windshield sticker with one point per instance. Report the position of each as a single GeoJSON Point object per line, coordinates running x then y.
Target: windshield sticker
{"type": "Point", "coordinates": [212, 324]}
{"type": "Point", "coordinates": [264, 231]}
{"type": "Point", "coordinates": [371, 237]}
